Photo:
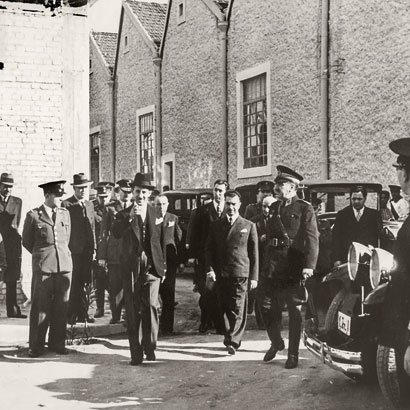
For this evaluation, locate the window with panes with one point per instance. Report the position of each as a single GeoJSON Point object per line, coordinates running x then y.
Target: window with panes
{"type": "Point", "coordinates": [146, 137]}
{"type": "Point", "coordinates": [254, 122]}
{"type": "Point", "coordinates": [95, 157]}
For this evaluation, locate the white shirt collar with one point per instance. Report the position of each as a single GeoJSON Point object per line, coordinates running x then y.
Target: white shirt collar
{"type": "Point", "coordinates": [49, 211]}
{"type": "Point", "coordinates": [356, 212]}
{"type": "Point", "coordinates": [221, 205]}
{"type": "Point", "coordinates": [81, 201]}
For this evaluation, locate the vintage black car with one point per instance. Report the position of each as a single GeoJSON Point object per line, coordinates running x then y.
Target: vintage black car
{"type": "Point", "coordinates": [345, 303]}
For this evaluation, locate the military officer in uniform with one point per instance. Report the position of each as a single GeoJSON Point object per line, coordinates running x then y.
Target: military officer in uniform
{"type": "Point", "coordinates": [263, 189]}
{"type": "Point", "coordinates": [99, 266]}
{"type": "Point", "coordinates": [46, 235]}
{"type": "Point", "coordinates": [290, 257]}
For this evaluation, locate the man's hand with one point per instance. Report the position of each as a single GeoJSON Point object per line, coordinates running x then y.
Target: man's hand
{"type": "Point", "coordinates": [102, 263]}
{"type": "Point", "coordinates": [254, 284]}
{"type": "Point", "coordinates": [195, 289]}
{"type": "Point", "coordinates": [337, 263]}
{"type": "Point", "coordinates": [407, 361]}
{"type": "Point", "coordinates": [211, 276]}
{"type": "Point", "coordinates": [263, 238]}
{"type": "Point", "coordinates": [163, 279]}
{"type": "Point", "coordinates": [307, 273]}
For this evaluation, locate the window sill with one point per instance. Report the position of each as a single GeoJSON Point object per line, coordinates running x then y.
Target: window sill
{"type": "Point", "coordinates": [255, 172]}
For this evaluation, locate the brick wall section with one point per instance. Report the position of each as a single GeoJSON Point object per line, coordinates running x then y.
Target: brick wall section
{"type": "Point", "coordinates": [135, 89]}
{"type": "Point", "coordinates": [286, 34]}
{"type": "Point", "coordinates": [101, 112]}
{"type": "Point", "coordinates": [369, 86]}
{"type": "Point", "coordinates": [191, 92]}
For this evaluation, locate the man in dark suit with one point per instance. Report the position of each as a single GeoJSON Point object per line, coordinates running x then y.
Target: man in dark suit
{"type": "Point", "coordinates": [143, 267]}
{"type": "Point", "coordinates": [10, 216]}
{"type": "Point", "coordinates": [232, 260]}
{"type": "Point", "coordinates": [198, 229]}
{"type": "Point", "coordinates": [82, 247]}
{"type": "Point", "coordinates": [110, 248]}
{"type": "Point", "coordinates": [171, 238]}
{"type": "Point", "coordinates": [46, 236]}
{"type": "Point", "coordinates": [355, 223]}
{"type": "Point", "coordinates": [290, 256]}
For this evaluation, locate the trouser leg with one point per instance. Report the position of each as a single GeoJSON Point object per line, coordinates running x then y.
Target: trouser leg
{"type": "Point", "coordinates": [295, 323]}
{"type": "Point", "coordinates": [11, 299]}
{"type": "Point", "coordinates": [41, 299]}
{"type": "Point", "coordinates": [115, 290]}
{"type": "Point", "coordinates": [100, 285]}
{"type": "Point", "coordinates": [167, 292]}
{"type": "Point", "coordinates": [78, 304]}
{"type": "Point", "coordinates": [59, 308]}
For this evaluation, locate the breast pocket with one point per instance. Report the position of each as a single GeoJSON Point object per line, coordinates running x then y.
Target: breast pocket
{"type": "Point", "coordinates": [43, 232]}
{"type": "Point", "coordinates": [294, 223]}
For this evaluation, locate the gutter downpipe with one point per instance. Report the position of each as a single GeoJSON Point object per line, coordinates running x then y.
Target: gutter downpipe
{"type": "Point", "coordinates": [223, 28]}
{"type": "Point", "coordinates": [111, 86]}
{"type": "Point", "coordinates": [157, 60]}
{"type": "Point", "coordinates": [324, 91]}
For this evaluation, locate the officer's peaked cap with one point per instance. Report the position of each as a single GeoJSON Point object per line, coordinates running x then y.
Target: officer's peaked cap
{"type": "Point", "coordinates": [125, 185]}
{"type": "Point", "coordinates": [265, 186]}
{"type": "Point", "coordinates": [285, 174]}
{"type": "Point", "coordinates": [54, 187]}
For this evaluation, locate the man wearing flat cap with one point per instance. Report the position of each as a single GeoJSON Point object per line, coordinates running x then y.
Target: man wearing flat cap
{"type": "Point", "coordinates": [103, 190]}
{"type": "Point", "coordinates": [398, 205]}
{"type": "Point", "coordinates": [263, 189]}
{"type": "Point", "coordinates": [143, 267]}
{"type": "Point", "coordinates": [292, 246]}
{"type": "Point", "coordinates": [82, 247]}
{"type": "Point", "coordinates": [10, 215]}
{"type": "Point", "coordinates": [46, 235]}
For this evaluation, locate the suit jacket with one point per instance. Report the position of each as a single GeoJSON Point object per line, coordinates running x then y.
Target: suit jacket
{"type": "Point", "coordinates": [347, 230]}
{"type": "Point", "coordinates": [253, 210]}
{"type": "Point", "coordinates": [198, 228]}
{"type": "Point", "coordinates": [232, 251]}
{"type": "Point", "coordinates": [130, 235]}
{"type": "Point", "coordinates": [171, 237]}
{"type": "Point", "coordinates": [110, 246]}
{"type": "Point", "coordinates": [10, 216]}
{"type": "Point", "coordinates": [82, 237]}
{"type": "Point", "coordinates": [261, 228]}
{"type": "Point", "coordinates": [47, 242]}
{"type": "Point", "coordinates": [285, 264]}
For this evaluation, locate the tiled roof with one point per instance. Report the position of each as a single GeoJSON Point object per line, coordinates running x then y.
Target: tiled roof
{"type": "Point", "coordinates": [152, 16]}
{"type": "Point", "coordinates": [107, 43]}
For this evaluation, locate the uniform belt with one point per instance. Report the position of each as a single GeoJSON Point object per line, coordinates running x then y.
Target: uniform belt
{"type": "Point", "coordinates": [280, 243]}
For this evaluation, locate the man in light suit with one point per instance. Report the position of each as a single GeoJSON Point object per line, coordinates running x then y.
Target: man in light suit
{"type": "Point", "coordinates": [82, 247]}
{"type": "Point", "coordinates": [46, 235]}
{"type": "Point", "coordinates": [10, 216]}
{"type": "Point", "coordinates": [171, 238]}
{"type": "Point", "coordinates": [143, 267]}
{"type": "Point", "coordinates": [232, 261]}
{"type": "Point", "coordinates": [355, 223]}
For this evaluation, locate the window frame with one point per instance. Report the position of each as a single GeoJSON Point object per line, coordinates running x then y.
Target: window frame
{"type": "Point", "coordinates": [95, 131]}
{"type": "Point", "coordinates": [241, 77]}
{"type": "Point", "coordinates": [139, 113]}
{"type": "Point", "coordinates": [181, 19]}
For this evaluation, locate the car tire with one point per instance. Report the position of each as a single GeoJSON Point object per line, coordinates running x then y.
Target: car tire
{"type": "Point", "coordinates": [393, 382]}
{"type": "Point", "coordinates": [331, 316]}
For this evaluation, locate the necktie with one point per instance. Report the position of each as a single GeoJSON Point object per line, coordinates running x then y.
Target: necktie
{"type": "Point", "coordinates": [53, 215]}
{"type": "Point", "coordinates": [230, 221]}
{"type": "Point", "coordinates": [359, 215]}
{"type": "Point", "coordinates": [219, 210]}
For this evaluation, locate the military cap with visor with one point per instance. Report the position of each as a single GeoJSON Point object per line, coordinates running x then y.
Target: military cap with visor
{"type": "Point", "coordinates": [401, 147]}
{"type": "Point", "coordinates": [266, 186]}
{"type": "Point", "coordinates": [286, 174]}
{"type": "Point", "coordinates": [54, 187]}
{"type": "Point", "coordinates": [125, 185]}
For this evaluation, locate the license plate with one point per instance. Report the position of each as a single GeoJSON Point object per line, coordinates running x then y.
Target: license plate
{"type": "Point", "coordinates": [343, 323]}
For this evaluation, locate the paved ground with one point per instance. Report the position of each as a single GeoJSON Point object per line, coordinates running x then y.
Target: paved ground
{"type": "Point", "coordinates": [192, 372]}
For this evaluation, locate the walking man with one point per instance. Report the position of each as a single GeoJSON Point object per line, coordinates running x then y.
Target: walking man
{"type": "Point", "coordinates": [232, 261]}
{"type": "Point", "coordinates": [171, 237]}
{"type": "Point", "coordinates": [10, 216]}
{"type": "Point", "coordinates": [143, 267]}
{"type": "Point", "coordinates": [46, 235]}
{"type": "Point", "coordinates": [290, 257]}
{"type": "Point", "coordinates": [82, 247]}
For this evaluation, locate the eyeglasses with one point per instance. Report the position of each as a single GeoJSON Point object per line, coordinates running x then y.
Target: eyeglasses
{"type": "Point", "coordinates": [398, 167]}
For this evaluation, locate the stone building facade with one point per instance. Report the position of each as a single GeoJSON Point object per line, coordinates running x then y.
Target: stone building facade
{"type": "Point", "coordinates": [43, 99]}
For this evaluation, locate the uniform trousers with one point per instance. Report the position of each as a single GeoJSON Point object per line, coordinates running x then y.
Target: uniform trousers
{"type": "Point", "coordinates": [115, 290]}
{"type": "Point", "coordinates": [12, 307]}
{"type": "Point", "coordinates": [271, 300]}
{"type": "Point", "coordinates": [78, 304]}
{"type": "Point", "coordinates": [101, 284]}
{"type": "Point", "coordinates": [141, 289]}
{"type": "Point", "coordinates": [167, 293]}
{"type": "Point", "coordinates": [49, 304]}
{"type": "Point", "coordinates": [232, 299]}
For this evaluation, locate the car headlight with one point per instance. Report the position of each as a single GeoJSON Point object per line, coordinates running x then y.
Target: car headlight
{"type": "Point", "coordinates": [358, 255]}
{"type": "Point", "coordinates": [381, 264]}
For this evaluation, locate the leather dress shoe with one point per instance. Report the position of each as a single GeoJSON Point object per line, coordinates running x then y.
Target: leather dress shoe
{"type": "Point", "coordinates": [151, 356]}
{"type": "Point", "coordinates": [271, 353]}
{"type": "Point", "coordinates": [33, 353]}
{"type": "Point", "coordinates": [292, 362]}
{"type": "Point", "coordinates": [203, 327]}
{"type": "Point", "coordinates": [138, 358]}
{"type": "Point", "coordinates": [59, 350]}
{"type": "Point", "coordinates": [231, 349]}
{"type": "Point", "coordinates": [18, 316]}
{"type": "Point", "coordinates": [113, 321]}
{"type": "Point", "coordinates": [99, 313]}
{"type": "Point", "coordinates": [88, 319]}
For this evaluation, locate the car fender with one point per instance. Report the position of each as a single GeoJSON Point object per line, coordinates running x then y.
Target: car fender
{"type": "Point", "coordinates": [377, 295]}
{"type": "Point", "coordinates": [339, 273]}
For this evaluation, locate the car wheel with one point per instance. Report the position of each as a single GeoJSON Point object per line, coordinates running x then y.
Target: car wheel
{"type": "Point", "coordinates": [394, 383]}
{"type": "Point", "coordinates": [332, 315]}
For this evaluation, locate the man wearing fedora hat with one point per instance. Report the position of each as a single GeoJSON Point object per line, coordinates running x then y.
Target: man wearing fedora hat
{"type": "Point", "coordinates": [10, 215]}
{"type": "Point", "coordinates": [143, 268]}
{"type": "Point", "coordinates": [292, 246]}
{"type": "Point", "coordinates": [46, 235]}
{"type": "Point", "coordinates": [82, 247]}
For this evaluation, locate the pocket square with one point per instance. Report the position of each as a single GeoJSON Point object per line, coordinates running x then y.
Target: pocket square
{"type": "Point", "coordinates": [158, 221]}
{"type": "Point", "coordinates": [171, 223]}
{"type": "Point", "coordinates": [244, 230]}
